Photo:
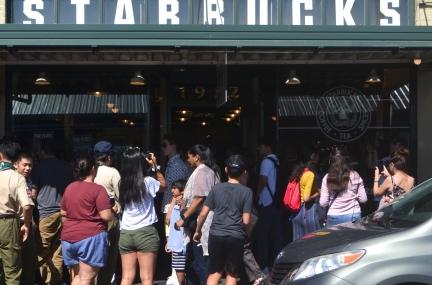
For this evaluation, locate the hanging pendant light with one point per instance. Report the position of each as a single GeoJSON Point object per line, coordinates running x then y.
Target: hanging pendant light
{"type": "Point", "coordinates": [417, 58]}
{"type": "Point", "coordinates": [97, 91]}
{"type": "Point", "coordinates": [292, 79]}
{"type": "Point", "coordinates": [138, 79]}
{"type": "Point", "coordinates": [373, 77]}
{"type": "Point", "coordinates": [42, 79]}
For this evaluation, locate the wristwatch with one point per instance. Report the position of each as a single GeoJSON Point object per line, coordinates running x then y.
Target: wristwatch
{"type": "Point", "coordinates": [183, 217]}
{"type": "Point", "coordinates": [157, 168]}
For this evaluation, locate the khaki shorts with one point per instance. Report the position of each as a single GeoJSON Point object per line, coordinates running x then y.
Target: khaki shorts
{"type": "Point", "coordinates": [145, 239]}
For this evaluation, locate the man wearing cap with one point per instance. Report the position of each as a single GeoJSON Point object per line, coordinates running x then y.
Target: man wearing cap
{"type": "Point", "coordinates": [51, 176]}
{"type": "Point", "coordinates": [231, 203]}
{"type": "Point", "coordinates": [108, 177]}
{"type": "Point", "coordinates": [14, 198]}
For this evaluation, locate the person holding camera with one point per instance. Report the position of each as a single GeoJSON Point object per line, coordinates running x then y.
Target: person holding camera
{"type": "Point", "coordinates": [109, 178]}
{"type": "Point", "coordinates": [87, 209]}
{"type": "Point", "coordinates": [139, 240]}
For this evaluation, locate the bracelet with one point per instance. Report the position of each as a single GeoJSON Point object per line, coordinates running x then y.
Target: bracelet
{"type": "Point", "coordinates": [376, 181]}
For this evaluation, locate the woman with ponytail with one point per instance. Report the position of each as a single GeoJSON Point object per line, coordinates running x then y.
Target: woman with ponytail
{"type": "Point", "coordinates": [87, 209]}
{"type": "Point", "coordinates": [397, 182]}
{"type": "Point", "coordinates": [197, 189]}
{"type": "Point", "coordinates": [342, 190]}
{"type": "Point", "coordinates": [306, 220]}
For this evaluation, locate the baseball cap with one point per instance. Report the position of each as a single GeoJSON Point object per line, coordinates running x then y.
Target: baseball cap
{"type": "Point", "coordinates": [103, 147]}
{"type": "Point", "coordinates": [236, 165]}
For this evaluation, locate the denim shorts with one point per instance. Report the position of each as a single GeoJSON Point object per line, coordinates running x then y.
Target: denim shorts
{"type": "Point", "coordinates": [92, 251]}
{"type": "Point", "coordinates": [339, 219]}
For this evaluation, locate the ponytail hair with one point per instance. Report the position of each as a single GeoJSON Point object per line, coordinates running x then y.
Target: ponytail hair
{"type": "Point", "coordinates": [83, 167]}
{"type": "Point", "coordinates": [338, 175]}
{"type": "Point", "coordinates": [205, 156]}
{"type": "Point", "coordinates": [400, 158]}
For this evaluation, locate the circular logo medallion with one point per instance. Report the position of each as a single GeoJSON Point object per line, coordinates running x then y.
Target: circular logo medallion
{"type": "Point", "coordinates": [343, 114]}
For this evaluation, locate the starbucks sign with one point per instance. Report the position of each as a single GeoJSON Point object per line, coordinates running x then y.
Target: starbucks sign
{"type": "Point", "coordinates": [343, 114]}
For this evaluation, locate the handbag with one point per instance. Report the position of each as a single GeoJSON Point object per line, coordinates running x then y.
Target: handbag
{"type": "Point", "coordinates": [190, 222]}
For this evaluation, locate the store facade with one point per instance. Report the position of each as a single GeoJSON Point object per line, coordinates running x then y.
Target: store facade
{"type": "Point", "coordinates": [331, 47]}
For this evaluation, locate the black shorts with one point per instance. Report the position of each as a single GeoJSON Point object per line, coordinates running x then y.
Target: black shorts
{"type": "Point", "coordinates": [225, 253]}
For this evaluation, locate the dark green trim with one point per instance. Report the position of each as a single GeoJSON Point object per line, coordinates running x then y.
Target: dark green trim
{"type": "Point", "coordinates": [8, 102]}
{"type": "Point", "coordinates": [214, 36]}
{"type": "Point", "coordinates": [413, 135]}
{"type": "Point", "coordinates": [411, 12]}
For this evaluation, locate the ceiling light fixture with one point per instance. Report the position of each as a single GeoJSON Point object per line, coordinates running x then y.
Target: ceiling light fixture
{"type": "Point", "coordinates": [138, 79]}
{"type": "Point", "coordinates": [110, 105]}
{"type": "Point", "coordinates": [203, 123]}
{"type": "Point", "coordinates": [42, 79]}
{"type": "Point", "coordinates": [292, 79]}
{"type": "Point", "coordinates": [417, 58]}
{"type": "Point", "coordinates": [228, 119]}
{"type": "Point", "coordinates": [97, 92]}
{"type": "Point", "coordinates": [125, 121]}
{"type": "Point", "coordinates": [115, 110]}
{"type": "Point", "coordinates": [182, 119]}
{"type": "Point", "coordinates": [131, 123]}
{"type": "Point", "coordinates": [373, 77]}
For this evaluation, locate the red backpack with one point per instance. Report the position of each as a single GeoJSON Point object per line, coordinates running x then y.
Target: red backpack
{"type": "Point", "coordinates": [292, 199]}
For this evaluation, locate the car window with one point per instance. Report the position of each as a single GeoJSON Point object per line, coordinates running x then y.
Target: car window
{"type": "Point", "coordinates": [406, 211]}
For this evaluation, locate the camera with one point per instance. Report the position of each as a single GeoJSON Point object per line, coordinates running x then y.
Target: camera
{"type": "Point", "coordinates": [147, 155]}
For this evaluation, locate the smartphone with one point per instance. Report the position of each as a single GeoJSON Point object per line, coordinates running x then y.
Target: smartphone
{"type": "Point", "coordinates": [380, 166]}
{"type": "Point", "coordinates": [112, 201]}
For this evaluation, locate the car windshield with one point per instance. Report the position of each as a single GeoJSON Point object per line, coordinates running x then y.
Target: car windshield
{"type": "Point", "coordinates": [406, 211]}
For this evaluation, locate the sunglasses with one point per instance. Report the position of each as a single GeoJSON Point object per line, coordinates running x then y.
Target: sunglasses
{"type": "Point", "coordinates": [164, 145]}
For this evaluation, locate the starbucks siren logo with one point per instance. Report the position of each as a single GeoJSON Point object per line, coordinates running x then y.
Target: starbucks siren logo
{"type": "Point", "coordinates": [343, 114]}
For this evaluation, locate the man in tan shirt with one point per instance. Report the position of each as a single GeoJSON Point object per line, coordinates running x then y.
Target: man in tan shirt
{"type": "Point", "coordinates": [108, 177]}
{"type": "Point", "coordinates": [14, 197]}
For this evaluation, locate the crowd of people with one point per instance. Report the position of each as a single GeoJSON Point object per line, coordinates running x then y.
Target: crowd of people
{"type": "Point", "coordinates": [83, 217]}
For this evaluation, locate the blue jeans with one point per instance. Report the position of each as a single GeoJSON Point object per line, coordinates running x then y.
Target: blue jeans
{"type": "Point", "coordinates": [197, 265]}
{"type": "Point", "coordinates": [339, 219]}
{"type": "Point", "coordinates": [269, 231]}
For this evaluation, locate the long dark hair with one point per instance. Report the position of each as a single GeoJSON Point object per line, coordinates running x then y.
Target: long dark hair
{"type": "Point", "coordinates": [305, 161]}
{"type": "Point", "coordinates": [338, 175]}
{"type": "Point", "coordinates": [205, 156]}
{"type": "Point", "coordinates": [132, 176]}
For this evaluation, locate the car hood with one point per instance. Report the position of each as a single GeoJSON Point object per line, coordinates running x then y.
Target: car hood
{"type": "Point", "coordinates": [326, 241]}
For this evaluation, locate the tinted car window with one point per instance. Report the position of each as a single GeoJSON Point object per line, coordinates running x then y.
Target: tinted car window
{"type": "Point", "coordinates": [406, 211]}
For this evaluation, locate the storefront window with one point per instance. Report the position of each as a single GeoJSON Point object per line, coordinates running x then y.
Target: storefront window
{"type": "Point", "coordinates": [337, 107]}
{"type": "Point", "coordinates": [77, 120]}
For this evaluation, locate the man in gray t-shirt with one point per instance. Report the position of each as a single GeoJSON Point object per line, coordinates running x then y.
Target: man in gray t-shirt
{"type": "Point", "coordinates": [51, 176]}
{"type": "Point", "coordinates": [232, 204]}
